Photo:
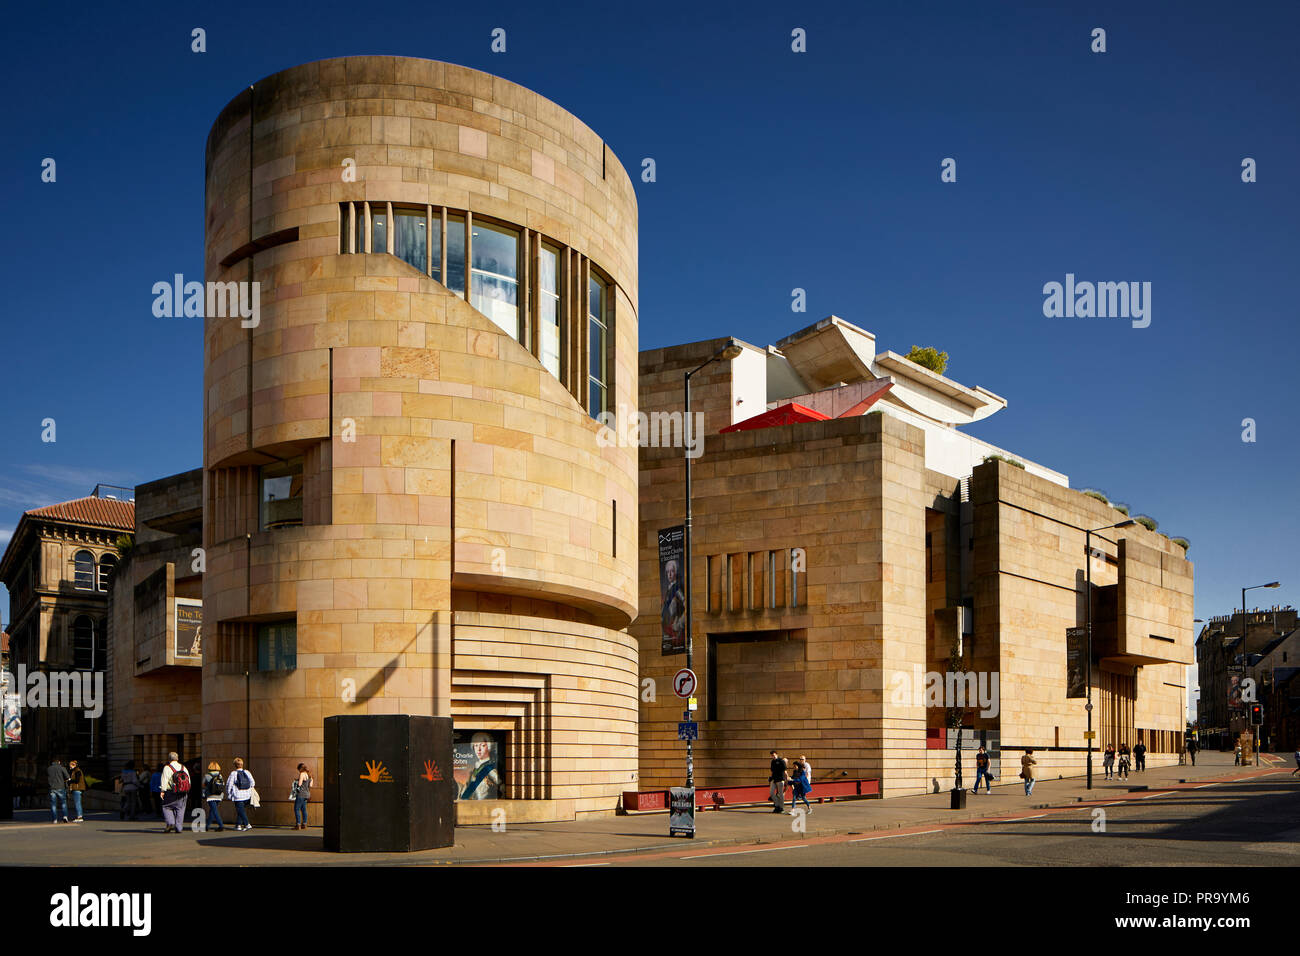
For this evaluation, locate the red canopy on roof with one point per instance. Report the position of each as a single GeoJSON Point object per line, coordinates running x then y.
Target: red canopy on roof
{"type": "Point", "coordinates": [789, 414]}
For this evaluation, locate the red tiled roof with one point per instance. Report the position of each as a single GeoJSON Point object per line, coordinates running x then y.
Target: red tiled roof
{"type": "Point", "coordinates": [789, 414]}
{"type": "Point", "coordinates": [103, 512]}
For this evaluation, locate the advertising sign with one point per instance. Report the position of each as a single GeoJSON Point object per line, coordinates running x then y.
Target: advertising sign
{"type": "Point", "coordinates": [1076, 662]}
{"type": "Point", "coordinates": [681, 812]}
{"type": "Point", "coordinates": [10, 711]}
{"type": "Point", "coordinates": [477, 760]}
{"type": "Point", "coordinates": [189, 629]}
{"type": "Point", "coordinates": [672, 596]}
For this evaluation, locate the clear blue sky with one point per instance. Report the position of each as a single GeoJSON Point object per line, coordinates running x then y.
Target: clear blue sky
{"type": "Point", "coordinates": [775, 170]}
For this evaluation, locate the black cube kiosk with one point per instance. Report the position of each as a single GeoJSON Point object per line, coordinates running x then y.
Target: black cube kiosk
{"type": "Point", "coordinates": [388, 783]}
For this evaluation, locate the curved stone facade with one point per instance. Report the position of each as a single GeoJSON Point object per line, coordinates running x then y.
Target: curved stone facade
{"type": "Point", "coordinates": [396, 488]}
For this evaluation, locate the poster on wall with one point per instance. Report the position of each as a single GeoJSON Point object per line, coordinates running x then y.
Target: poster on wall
{"type": "Point", "coordinates": [672, 596]}
{"type": "Point", "coordinates": [1076, 662]}
{"type": "Point", "coordinates": [478, 762]}
{"type": "Point", "coordinates": [189, 629]}
{"type": "Point", "coordinates": [10, 711]}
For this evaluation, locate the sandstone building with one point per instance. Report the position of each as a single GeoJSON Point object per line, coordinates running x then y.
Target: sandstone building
{"type": "Point", "coordinates": [846, 532]}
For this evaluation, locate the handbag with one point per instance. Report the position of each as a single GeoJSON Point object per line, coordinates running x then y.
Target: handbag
{"type": "Point", "coordinates": [253, 798]}
{"type": "Point", "coordinates": [117, 784]}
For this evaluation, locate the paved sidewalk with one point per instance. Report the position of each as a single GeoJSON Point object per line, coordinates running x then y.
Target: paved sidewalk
{"type": "Point", "coordinates": [103, 840]}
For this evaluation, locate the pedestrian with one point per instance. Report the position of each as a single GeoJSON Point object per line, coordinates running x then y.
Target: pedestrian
{"type": "Point", "coordinates": [76, 786]}
{"type": "Point", "coordinates": [196, 801]}
{"type": "Point", "coordinates": [808, 767]}
{"type": "Point", "coordinates": [1297, 762]}
{"type": "Point", "coordinates": [239, 788]}
{"type": "Point", "coordinates": [776, 782]}
{"type": "Point", "coordinates": [155, 791]}
{"type": "Point", "coordinates": [300, 794]}
{"type": "Point", "coordinates": [1192, 747]}
{"type": "Point", "coordinates": [56, 775]}
{"type": "Point", "coordinates": [1108, 761]}
{"type": "Point", "coordinates": [214, 786]}
{"type": "Point", "coordinates": [982, 772]}
{"type": "Point", "coordinates": [129, 782]}
{"type": "Point", "coordinates": [1236, 757]}
{"type": "Point", "coordinates": [1139, 755]}
{"type": "Point", "coordinates": [1125, 760]}
{"type": "Point", "coordinates": [1027, 764]}
{"type": "Point", "coordinates": [800, 784]}
{"type": "Point", "coordinates": [175, 783]}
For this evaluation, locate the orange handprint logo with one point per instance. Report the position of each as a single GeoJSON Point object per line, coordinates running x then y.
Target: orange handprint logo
{"type": "Point", "coordinates": [374, 771]}
{"type": "Point", "coordinates": [431, 771]}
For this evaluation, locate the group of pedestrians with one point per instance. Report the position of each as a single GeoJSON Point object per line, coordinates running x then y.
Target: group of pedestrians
{"type": "Point", "coordinates": [66, 784]}
{"type": "Point", "coordinates": [797, 775]}
{"type": "Point", "coordinates": [1136, 759]}
{"type": "Point", "coordinates": [173, 787]}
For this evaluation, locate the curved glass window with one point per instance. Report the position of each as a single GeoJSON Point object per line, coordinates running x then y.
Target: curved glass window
{"type": "Point", "coordinates": [83, 571]}
{"type": "Point", "coordinates": [456, 255]}
{"type": "Point", "coordinates": [494, 276]}
{"type": "Point", "coordinates": [107, 567]}
{"type": "Point", "coordinates": [548, 309]}
{"type": "Point", "coordinates": [409, 239]}
{"type": "Point", "coordinates": [597, 376]}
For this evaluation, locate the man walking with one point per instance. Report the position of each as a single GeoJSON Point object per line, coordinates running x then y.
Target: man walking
{"type": "Point", "coordinates": [1297, 762]}
{"type": "Point", "coordinates": [56, 775]}
{"type": "Point", "coordinates": [1192, 747]}
{"type": "Point", "coordinates": [982, 772]}
{"type": "Point", "coordinates": [1139, 755]}
{"type": "Point", "coordinates": [175, 791]}
{"type": "Point", "coordinates": [776, 782]}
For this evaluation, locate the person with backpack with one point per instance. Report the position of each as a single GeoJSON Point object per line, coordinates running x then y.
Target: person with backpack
{"type": "Point", "coordinates": [300, 794]}
{"type": "Point", "coordinates": [175, 783]}
{"type": "Point", "coordinates": [214, 788]}
{"type": "Point", "coordinates": [76, 787]}
{"type": "Point", "coordinates": [239, 789]}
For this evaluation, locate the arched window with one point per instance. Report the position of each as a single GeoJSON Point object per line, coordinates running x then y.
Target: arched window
{"type": "Point", "coordinates": [83, 578]}
{"type": "Point", "coordinates": [83, 644]}
{"type": "Point", "coordinates": [107, 568]}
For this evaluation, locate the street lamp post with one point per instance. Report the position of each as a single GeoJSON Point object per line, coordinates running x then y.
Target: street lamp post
{"type": "Point", "coordinates": [1254, 733]}
{"type": "Point", "coordinates": [1087, 549]}
{"type": "Point", "coordinates": [726, 353]}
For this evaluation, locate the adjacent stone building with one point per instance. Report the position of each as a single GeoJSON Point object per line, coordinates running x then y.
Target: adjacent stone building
{"type": "Point", "coordinates": [59, 568]}
{"type": "Point", "coordinates": [406, 507]}
{"type": "Point", "coordinates": [847, 534]}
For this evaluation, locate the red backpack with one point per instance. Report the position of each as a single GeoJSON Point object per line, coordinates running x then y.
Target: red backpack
{"type": "Point", "coordinates": [180, 782]}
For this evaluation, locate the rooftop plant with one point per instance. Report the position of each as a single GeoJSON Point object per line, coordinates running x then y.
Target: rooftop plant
{"type": "Point", "coordinates": [1009, 461]}
{"type": "Point", "coordinates": [928, 357]}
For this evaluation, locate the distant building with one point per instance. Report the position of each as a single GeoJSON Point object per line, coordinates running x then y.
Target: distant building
{"type": "Point", "coordinates": [59, 567]}
{"type": "Point", "coordinates": [1264, 648]}
{"type": "Point", "coordinates": [840, 555]}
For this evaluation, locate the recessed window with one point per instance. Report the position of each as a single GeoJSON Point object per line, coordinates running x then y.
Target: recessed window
{"type": "Point", "coordinates": [456, 255]}
{"type": "Point", "coordinates": [83, 571]}
{"type": "Point", "coordinates": [379, 230]}
{"type": "Point", "coordinates": [107, 567]}
{"type": "Point", "coordinates": [597, 377]}
{"type": "Point", "coordinates": [359, 228]}
{"type": "Point", "coordinates": [409, 239]}
{"type": "Point", "coordinates": [277, 646]}
{"type": "Point", "coordinates": [548, 309]}
{"type": "Point", "coordinates": [281, 497]}
{"type": "Point", "coordinates": [89, 644]}
{"type": "Point", "coordinates": [494, 276]}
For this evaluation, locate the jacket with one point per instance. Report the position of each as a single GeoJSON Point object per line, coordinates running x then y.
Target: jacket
{"type": "Point", "coordinates": [76, 780]}
{"type": "Point", "coordinates": [235, 793]}
{"type": "Point", "coordinates": [1027, 766]}
{"type": "Point", "coordinates": [214, 786]}
{"type": "Point", "coordinates": [56, 775]}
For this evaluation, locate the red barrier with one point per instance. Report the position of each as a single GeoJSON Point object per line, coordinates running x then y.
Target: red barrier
{"type": "Point", "coordinates": [718, 797]}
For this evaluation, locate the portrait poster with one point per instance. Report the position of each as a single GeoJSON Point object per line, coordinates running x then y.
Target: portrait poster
{"type": "Point", "coordinates": [478, 764]}
{"type": "Point", "coordinates": [671, 592]}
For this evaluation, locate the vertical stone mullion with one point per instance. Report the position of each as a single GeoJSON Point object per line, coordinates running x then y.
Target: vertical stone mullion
{"type": "Point", "coordinates": [469, 256]}
{"type": "Point", "coordinates": [442, 245]}
{"type": "Point", "coordinates": [428, 240]}
{"type": "Point", "coordinates": [390, 232]}
{"type": "Point", "coordinates": [366, 237]}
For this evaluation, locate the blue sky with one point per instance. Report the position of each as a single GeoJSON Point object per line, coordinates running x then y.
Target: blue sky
{"type": "Point", "coordinates": [775, 170]}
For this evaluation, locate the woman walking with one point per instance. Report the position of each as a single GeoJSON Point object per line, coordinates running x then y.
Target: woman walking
{"type": "Point", "coordinates": [239, 789]}
{"type": "Point", "coordinates": [1027, 764]}
{"type": "Point", "coordinates": [800, 784]}
{"type": "Point", "coordinates": [301, 793]}
{"type": "Point", "coordinates": [1108, 761]}
{"type": "Point", "coordinates": [76, 787]}
{"type": "Point", "coordinates": [1123, 761]}
{"type": "Point", "coordinates": [214, 786]}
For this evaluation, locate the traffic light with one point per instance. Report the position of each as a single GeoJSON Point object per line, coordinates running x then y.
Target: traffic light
{"type": "Point", "coordinates": [1257, 714]}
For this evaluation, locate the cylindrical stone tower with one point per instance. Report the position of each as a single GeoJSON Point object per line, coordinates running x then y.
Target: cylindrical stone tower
{"type": "Point", "coordinates": [409, 507]}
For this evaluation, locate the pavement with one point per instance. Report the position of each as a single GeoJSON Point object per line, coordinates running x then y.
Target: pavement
{"type": "Point", "coordinates": [103, 840]}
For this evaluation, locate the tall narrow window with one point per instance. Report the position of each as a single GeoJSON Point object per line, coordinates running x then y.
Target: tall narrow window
{"type": "Point", "coordinates": [494, 277]}
{"type": "Point", "coordinates": [107, 565]}
{"type": "Point", "coordinates": [83, 571]}
{"type": "Point", "coordinates": [379, 228]}
{"type": "Point", "coordinates": [548, 309]}
{"type": "Point", "coordinates": [281, 497]}
{"type": "Point", "coordinates": [88, 648]}
{"type": "Point", "coordinates": [435, 243]}
{"type": "Point", "coordinates": [359, 229]}
{"type": "Point", "coordinates": [409, 238]}
{"type": "Point", "coordinates": [456, 255]}
{"type": "Point", "coordinates": [277, 646]}
{"type": "Point", "coordinates": [597, 306]}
